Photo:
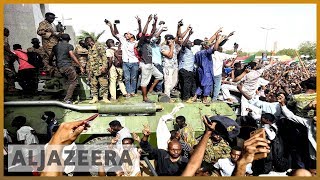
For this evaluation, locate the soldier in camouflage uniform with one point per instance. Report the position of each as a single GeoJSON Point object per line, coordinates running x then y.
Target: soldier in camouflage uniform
{"type": "Point", "coordinates": [98, 69]}
{"type": "Point", "coordinates": [50, 37]}
{"type": "Point", "coordinates": [216, 149]}
{"type": "Point", "coordinates": [37, 48]}
{"type": "Point", "coordinates": [9, 58]}
{"type": "Point", "coordinates": [81, 52]}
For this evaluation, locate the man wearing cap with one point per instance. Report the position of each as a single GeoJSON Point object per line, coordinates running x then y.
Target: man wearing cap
{"type": "Point", "coordinates": [63, 52]}
{"type": "Point", "coordinates": [170, 52]}
{"type": "Point", "coordinates": [203, 61]}
{"type": "Point", "coordinates": [130, 61]}
{"type": "Point", "coordinates": [217, 146]}
{"type": "Point", "coordinates": [147, 68]}
{"type": "Point", "coordinates": [47, 30]}
{"type": "Point", "coordinates": [38, 49]}
{"type": "Point", "coordinates": [98, 70]}
{"type": "Point", "coordinates": [81, 52]}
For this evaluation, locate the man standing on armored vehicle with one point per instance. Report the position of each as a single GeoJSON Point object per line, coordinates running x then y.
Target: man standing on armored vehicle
{"type": "Point", "coordinates": [81, 52]}
{"type": "Point", "coordinates": [50, 37]}
{"type": "Point", "coordinates": [98, 69]}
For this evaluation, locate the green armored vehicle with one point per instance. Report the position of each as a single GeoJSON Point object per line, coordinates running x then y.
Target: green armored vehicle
{"type": "Point", "coordinates": [131, 112]}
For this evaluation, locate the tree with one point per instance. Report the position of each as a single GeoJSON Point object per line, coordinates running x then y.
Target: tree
{"type": "Point", "coordinates": [288, 52]}
{"type": "Point", "coordinates": [308, 48]}
{"type": "Point", "coordinates": [84, 34]}
{"type": "Point", "coordinates": [259, 53]}
{"type": "Point", "coordinates": [240, 53]}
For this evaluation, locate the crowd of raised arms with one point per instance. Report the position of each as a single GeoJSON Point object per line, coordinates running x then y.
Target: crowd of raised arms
{"type": "Point", "coordinates": [271, 95]}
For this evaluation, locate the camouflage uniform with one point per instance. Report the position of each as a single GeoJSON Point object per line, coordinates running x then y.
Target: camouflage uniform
{"type": "Point", "coordinates": [300, 102]}
{"type": "Point", "coordinates": [216, 151]}
{"type": "Point", "coordinates": [40, 51]}
{"type": "Point", "coordinates": [188, 134]}
{"type": "Point", "coordinates": [46, 30]}
{"type": "Point", "coordinates": [82, 55]}
{"type": "Point", "coordinates": [9, 72]}
{"type": "Point", "coordinates": [97, 60]}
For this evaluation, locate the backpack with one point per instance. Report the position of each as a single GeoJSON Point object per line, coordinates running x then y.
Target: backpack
{"type": "Point", "coordinates": [35, 59]}
{"type": "Point", "coordinates": [117, 62]}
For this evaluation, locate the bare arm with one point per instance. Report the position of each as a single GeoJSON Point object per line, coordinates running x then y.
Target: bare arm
{"type": "Point", "coordinates": [231, 63]}
{"type": "Point", "coordinates": [185, 32]}
{"type": "Point", "coordinates": [240, 77]}
{"type": "Point", "coordinates": [197, 157]}
{"type": "Point", "coordinates": [114, 34]}
{"type": "Point", "coordinates": [75, 59]}
{"type": "Point", "coordinates": [243, 93]}
{"type": "Point", "coordinates": [154, 25]}
{"type": "Point", "coordinates": [187, 39]}
{"type": "Point", "coordinates": [139, 24]}
{"type": "Point", "coordinates": [169, 54]}
{"type": "Point", "coordinates": [214, 36]}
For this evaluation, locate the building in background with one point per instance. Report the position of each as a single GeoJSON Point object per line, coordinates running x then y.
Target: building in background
{"type": "Point", "coordinates": [23, 20]}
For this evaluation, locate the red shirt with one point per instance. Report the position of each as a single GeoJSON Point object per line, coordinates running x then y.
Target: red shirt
{"type": "Point", "coordinates": [23, 59]}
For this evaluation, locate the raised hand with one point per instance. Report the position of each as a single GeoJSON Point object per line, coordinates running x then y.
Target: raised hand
{"type": "Point", "coordinates": [209, 126]}
{"type": "Point", "coordinates": [136, 137]}
{"type": "Point", "coordinates": [155, 17]}
{"type": "Point", "coordinates": [146, 130]}
{"type": "Point", "coordinates": [150, 18]}
{"type": "Point", "coordinates": [138, 19]}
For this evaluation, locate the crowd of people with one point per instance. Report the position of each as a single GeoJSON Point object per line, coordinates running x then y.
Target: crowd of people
{"type": "Point", "coordinates": [270, 95]}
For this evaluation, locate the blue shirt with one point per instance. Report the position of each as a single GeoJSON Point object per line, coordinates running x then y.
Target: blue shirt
{"type": "Point", "coordinates": [186, 59]}
{"type": "Point", "coordinates": [203, 59]}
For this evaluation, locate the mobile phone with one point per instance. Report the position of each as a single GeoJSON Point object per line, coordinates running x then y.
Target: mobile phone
{"type": "Point", "coordinates": [263, 135]}
{"type": "Point", "coordinates": [208, 120]}
{"type": "Point", "coordinates": [106, 21]}
{"type": "Point", "coordinates": [117, 21]}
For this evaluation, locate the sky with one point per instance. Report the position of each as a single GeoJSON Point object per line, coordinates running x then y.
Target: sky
{"type": "Point", "coordinates": [292, 23]}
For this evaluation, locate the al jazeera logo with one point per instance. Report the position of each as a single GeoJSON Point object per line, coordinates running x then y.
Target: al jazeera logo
{"type": "Point", "coordinates": [23, 157]}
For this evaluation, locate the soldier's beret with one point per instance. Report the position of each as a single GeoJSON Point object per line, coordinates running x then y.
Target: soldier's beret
{"type": "Point", "coordinates": [226, 127]}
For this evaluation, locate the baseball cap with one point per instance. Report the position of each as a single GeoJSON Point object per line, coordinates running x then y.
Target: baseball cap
{"type": "Point", "coordinates": [226, 127]}
{"type": "Point", "coordinates": [168, 37]}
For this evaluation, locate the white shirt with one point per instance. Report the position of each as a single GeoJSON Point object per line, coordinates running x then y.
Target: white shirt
{"type": "Point", "coordinates": [68, 168]}
{"type": "Point", "coordinates": [308, 123]}
{"type": "Point", "coordinates": [218, 59]}
{"type": "Point", "coordinates": [266, 107]}
{"type": "Point", "coordinates": [226, 167]}
{"type": "Point", "coordinates": [24, 134]}
{"type": "Point", "coordinates": [251, 80]}
{"type": "Point", "coordinates": [123, 133]}
{"type": "Point", "coordinates": [127, 48]}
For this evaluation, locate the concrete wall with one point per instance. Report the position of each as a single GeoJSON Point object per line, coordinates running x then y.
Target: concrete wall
{"type": "Point", "coordinates": [20, 19]}
{"type": "Point", "coordinates": [23, 20]}
{"type": "Point", "coordinates": [69, 30]}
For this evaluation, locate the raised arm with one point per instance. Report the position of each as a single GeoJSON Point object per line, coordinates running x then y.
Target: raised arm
{"type": "Point", "coordinates": [186, 31]}
{"type": "Point", "coordinates": [214, 36]}
{"type": "Point", "coordinates": [139, 24]}
{"type": "Point", "coordinates": [197, 157]}
{"type": "Point", "coordinates": [187, 39]}
{"type": "Point", "coordinates": [178, 31]}
{"type": "Point", "coordinates": [241, 76]}
{"type": "Point", "coordinates": [160, 31]}
{"type": "Point", "coordinates": [114, 34]}
{"type": "Point", "coordinates": [169, 53]}
{"type": "Point", "coordinates": [154, 25]}
{"type": "Point", "coordinates": [145, 145]}
{"type": "Point", "coordinates": [226, 38]}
